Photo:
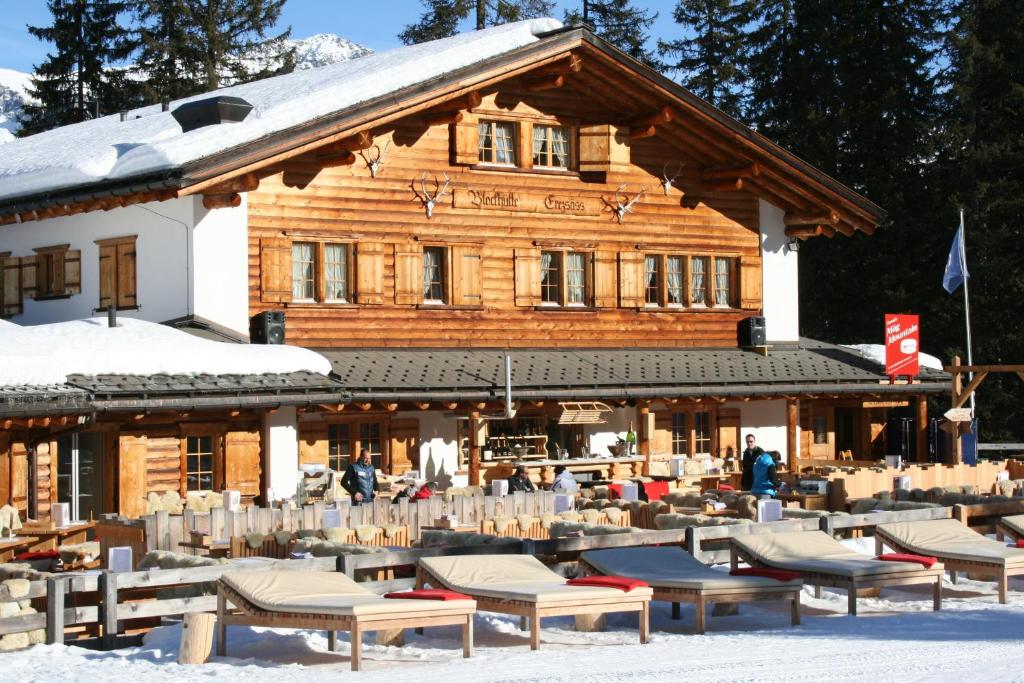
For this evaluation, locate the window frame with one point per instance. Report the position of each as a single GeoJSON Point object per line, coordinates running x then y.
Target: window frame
{"type": "Point", "coordinates": [560, 257]}
{"type": "Point", "coordinates": [320, 288]}
{"type": "Point", "coordinates": [686, 261]}
{"type": "Point", "coordinates": [687, 417]}
{"type": "Point", "coordinates": [569, 152]}
{"type": "Point", "coordinates": [215, 458]}
{"type": "Point", "coordinates": [50, 272]}
{"type": "Point", "coordinates": [514, 139]}
{"type": "Point", "coordinates": [444, 274]}
{"type": "Point", "coordinates": [336, 439]}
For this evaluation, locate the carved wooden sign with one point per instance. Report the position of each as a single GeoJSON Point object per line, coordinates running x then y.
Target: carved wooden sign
{"type": "Point", "coordinates": [521, 202]}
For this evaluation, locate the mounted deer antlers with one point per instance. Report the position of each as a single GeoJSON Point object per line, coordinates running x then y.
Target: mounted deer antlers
{"type": "Point", "coordinates": [375, 163]}
{"type": "Point", "coordinates": [430, 200]}
{"type": "Point", "coordinates": [624, 205]}
{"type": "Point", "coordinates": [666, 182]}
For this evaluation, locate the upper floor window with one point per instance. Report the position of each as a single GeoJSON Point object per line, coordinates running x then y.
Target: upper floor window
{"type": "Point", "coordinates": [50, 271]}
{"type": "Point", "coordinates": [551, 277]}
{"type": "Point", "coordinates": [303, 271]}
{"type": "Point", "coordinates": [320, 271]}
{"type": "Point", "coordinates": [674, 271]}
{"type": "Point", "coordinates": [497, 142]}
{"type": "Point", "coordinates": [723, 281]}
{"type": "Point", "coordinates": [566, 278]}
{"type": "Point", "coordinates": [576, 278]}
{"type": "Point", "coordinates": [117, 273]}
{"type": "Point", "coordinates": [698, 280]}
{"type": "Point", "coordinates": [652, 280]}
{"type": "Point", "coordinates": [550, 147]}
{"type": "Point", "coordinates": [434, 275]}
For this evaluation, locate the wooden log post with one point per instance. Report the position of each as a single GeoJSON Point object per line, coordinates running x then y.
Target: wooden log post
{"type": "Point", "coordinates": [108, 609]}
{"type": "Point", "coordinates": [196, 638]}
{"type": "Point", "coordinates": [55, 588]}
{"type": "Point", "coordinates": [957, 389]}
{"type": "Point", "coordinates": [474, 448]}
{"type": "Point", "coordinates": [644, 437]}
{"type": "Point", "coordinates": [792, 418]}
{"type": "Point", "coordinates": [921, 450]}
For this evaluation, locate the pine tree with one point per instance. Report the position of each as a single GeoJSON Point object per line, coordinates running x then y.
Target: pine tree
{"type": "Point", "coordinates": [78, 80]}
{"type": "Point", "coordinates": [192, 46]}
{"type": "Point", "coordinates": [709, 61]}
{"type": "Point", "coordinates": [441, 17]}
{"type": "Point", "coordinates": [624, 26]}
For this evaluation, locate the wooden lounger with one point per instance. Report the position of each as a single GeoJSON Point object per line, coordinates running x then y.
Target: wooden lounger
{"type": "Point", "coordinates": [522, 585]}
{"type": "Point", "coordinates": [676, 576]}
{"type": "Point", "coordinates": [823, 561]}
{"type": "Point", "coordinates": [956, 546]}
{"type": "Point", "coordinates": [328, 601]}
{"type": "Point", "coordinates": [1010, 527]}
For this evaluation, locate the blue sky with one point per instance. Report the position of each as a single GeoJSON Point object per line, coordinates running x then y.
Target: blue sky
{"type": "Point", "coordinates": [372, 23]}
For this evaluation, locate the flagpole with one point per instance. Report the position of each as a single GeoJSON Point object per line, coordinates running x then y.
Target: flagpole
{"type": "Point", "coordinates": [967, 304]}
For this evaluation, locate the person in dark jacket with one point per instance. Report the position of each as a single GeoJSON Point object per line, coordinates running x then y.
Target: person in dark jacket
{"type": "Point", "coordinates": [520, 481]}
{"type": "Point", "coordinates": [766, 480]}
{"type": "Point", "coordinates": [360, 479]}
{"type": "Point", "coordinates": [750, 454]}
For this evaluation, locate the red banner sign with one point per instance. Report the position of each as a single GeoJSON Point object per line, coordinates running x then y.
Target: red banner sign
{"type": "Point", "coordinates": [902, 344]}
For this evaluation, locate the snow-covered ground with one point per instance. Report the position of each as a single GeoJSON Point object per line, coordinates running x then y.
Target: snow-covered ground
{"type": "Point", "coordinates": [896, 637]}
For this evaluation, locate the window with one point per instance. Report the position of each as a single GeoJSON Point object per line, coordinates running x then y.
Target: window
{"type": "Point", "coordinates": [369, 438]}
{"type": "Point", "coordinates": [117, 273]}
{"type": "Point", "coordinates": [550, 147]}
{"type": "Point", "coordinates": [303, 271]}
{"type": "Point", "coordinates": [339, 447]}
{"type": "Point", "coordinates": [50, 271]}
{"type": "Point", "coordinates": [652, 280]}
{"type": "Point", "coordinates": [679, 434]}
{"type": "Point", "coordinates": [320, 272]}
{"type": "Point", "coordinates": [723, 272]}
{"type": "Point", "coordinates": [497, 142]}
{"type": "Point", "coordinates": [819, 424]}
{"type": "Point", "coordinates": [698, 282]}
{"type": "Point", "coordinates": [702, 433]}
{"type": "Point", "coordinates": [80, 458]}
{"type": "Point", "coordinates": [550, 277]}
{"type": "Point", "coordinates": [674, 281]}
{"type": "Point", "coordinates": [434, 275]}
{"type": "Point", "coordinates": [199, 463]}
{"type": "Point", "coordinates": [576, 278]}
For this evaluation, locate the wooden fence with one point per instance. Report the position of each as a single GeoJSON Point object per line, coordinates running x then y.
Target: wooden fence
{"type": "Point", "coordinates": [865, 482]}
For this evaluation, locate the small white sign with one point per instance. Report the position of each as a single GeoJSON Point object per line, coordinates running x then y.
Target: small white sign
{"type": "Point", "coordinates": [958, 415]}
{"type": "Point", "coordinates": [563, 502]}
{"type": "Point", "coordinates": [769, 510]}
{"type": "Point", "coordinates": [894, 461]}
{"type": "Point", "coordinates": [677, 467]}
{"type": "Point", "coordinates": [119, 558]}
{"type": "Point", "coordinates": [499, 487]}
{"type": "Point", "coordinates": [232, 500]}
{"type": "Point", "coordinates": [332, 518]}
{"type": "Point", "coordinates": [60, 514]}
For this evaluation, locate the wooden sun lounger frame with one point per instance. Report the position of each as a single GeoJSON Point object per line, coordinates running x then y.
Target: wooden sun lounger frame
{"type": "Point", "coordinates": [245, 613]}
{"type": "Point", "coordinates": [700, 597]}
{"type": "Point", "coordinates": [1001, 572]}
{"type": "Point", "coordinates": [532, 612]}
{"type": "Point", "coordinates": [931, 575]}
{"type": "Point", "coordinates": [1004, 531]}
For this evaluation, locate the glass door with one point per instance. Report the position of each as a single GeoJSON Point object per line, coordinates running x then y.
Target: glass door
{"type": "Point", "coordinates": [80, 474]}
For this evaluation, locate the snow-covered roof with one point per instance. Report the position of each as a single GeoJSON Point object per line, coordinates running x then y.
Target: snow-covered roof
{"type": "Point", "coordinates": [48, 354]}
{"type": "Point", "coordinates": [876, 354]}
{"type": "Point", "coordinates": [151, 141]}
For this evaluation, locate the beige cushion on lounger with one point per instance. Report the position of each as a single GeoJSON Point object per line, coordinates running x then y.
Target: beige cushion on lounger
{"type": "Point", "coordinates": [816, 551]}
{"type": "Point", "coordinates": [512, 577]}
{"type": "Point", "coordinates": [949, 538]}
{"type": "Point", "coordinates": [675, 568]}
{"type": "Point", "coordinates": [1014, 523]}
{"type": "Point", "coordinates": [323, 593]}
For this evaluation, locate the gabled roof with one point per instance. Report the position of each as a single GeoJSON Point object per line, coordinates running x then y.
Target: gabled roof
{"type": "Point", "coordinates": [149, 158]}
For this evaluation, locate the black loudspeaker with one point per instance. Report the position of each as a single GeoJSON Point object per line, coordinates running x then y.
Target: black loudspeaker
{"type": "Point", "coordinates": [267, 328]}
{"type": "Point", "coordinates": [752, 332]}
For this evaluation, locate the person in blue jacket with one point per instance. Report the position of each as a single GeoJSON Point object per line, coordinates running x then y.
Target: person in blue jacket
{"type": "Point", "coordinates": [360, 479]}
{"type": "Point", "coordinates": [766, 480]}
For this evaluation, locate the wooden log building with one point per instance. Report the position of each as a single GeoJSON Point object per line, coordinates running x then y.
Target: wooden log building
{"type": "Point", "coordinates": [417, 214]}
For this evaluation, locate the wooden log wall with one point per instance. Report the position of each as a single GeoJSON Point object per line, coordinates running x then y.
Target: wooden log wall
{"type": "Point", "coordinates": [14, 476]}
{"type": "Point", "coordinates": [344, 203]}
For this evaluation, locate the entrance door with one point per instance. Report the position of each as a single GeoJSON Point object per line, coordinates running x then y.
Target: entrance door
{"type": "Point", "coordinates": [80, 460]}
{"type": "Point", "coordinates": [847, 423]}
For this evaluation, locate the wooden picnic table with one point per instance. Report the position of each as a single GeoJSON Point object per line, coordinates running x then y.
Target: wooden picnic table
{"type": "Point", "coordinates": [213, 549]}
{"type": "Point", "coordinates": [49, 537]}
{"type": "Point", "coordinates": [9, 547]}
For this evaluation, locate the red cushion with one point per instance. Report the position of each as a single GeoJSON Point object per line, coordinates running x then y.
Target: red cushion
{"type": "Point", "coordinates": [623, 583]}
{"type": "Point", "coordinates": [726, 487]}
{"type": "Point", "coordinates": [38, 555]}
{"type": "Point", "coordinates": [428, 594]}
{"type": "Point", "coordinates": [767, 572]}
{"type": "Point", "coordinates": [614, 491]}
{"type": "Point", "coordinates": [655, 489]}
{"type": "Point", "coordinates": [923, 560]}
{"type": "Point", "coordinates": [1020, 542]}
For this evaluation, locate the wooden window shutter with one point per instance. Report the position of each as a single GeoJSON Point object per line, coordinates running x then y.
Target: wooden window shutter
{"type": "Point", "coordinates": [242, 463]}
{"type": "Point", "coordinates": [750, 283]}
{"type": "Point", "coordinates": [465, 140]}
{"type": "Point", "coordinates": [466, 271]}
{"type": "Point", "coordinates": [29, 273]}
{"type": "Point", "coordinates": [527, 264]}
{"type": "Point", "coordinates": [603, 147]}
{"type": "Point", "coordinates": [631, 279]}
{"type": "Point", "coordinates": [370, 273]}
{"type": "Point", "coordinates": [108, 274]}
{"type": "Point", "coordinates": [132, 452]}
{"type": "Point", "coordinates": [605, 286]}
{"type": "Point", "coordinates": [126, 282]}
{"type": "Point", "coordinates": [73, 271]}
{"type": "Point", "coordinates": [11, 275]}
{"type": "Point", "coordinates": [313, 444]}
{"type": "Point", "coordinates": [275, 269]}
{"type": "Point", "coordinates": [408, 274]}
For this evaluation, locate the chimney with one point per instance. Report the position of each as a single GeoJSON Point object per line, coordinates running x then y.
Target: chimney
{"type": "Point", "coordinates": [165, 106]}
{"type": "Point", "coordinates": [124, 115]}
{"type": "Point", "coordinates": [111, 316]}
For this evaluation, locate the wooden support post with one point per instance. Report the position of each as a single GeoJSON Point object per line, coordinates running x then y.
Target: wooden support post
{"type": "Point", "coordinates": [391, 636]}
{"type": "Point", "coordinates": [55, 587]}
{"type": "Point", "coordinates": [921, 450]}
{"type": "Point", "coordinates": [108, 609]}
{"type": "Point", "coordinates": [792, 417]}
{"type": "Point", "coordinates": [196, 638]}
{"type": "Point", "coordinates": [957, 387]}
{"type": "Point", "coordinates": [474, 448]}
{"type": "Point", "coordinates": [644, 436]}
{"type": "Point", "coordinates": [222, 628]}
{"type": "Point", "coordinates": [590, 623]}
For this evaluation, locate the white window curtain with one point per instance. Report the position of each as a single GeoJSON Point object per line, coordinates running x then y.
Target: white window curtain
{"type": "Point", "coordinates": [485, 140]}
{"type": "Point", "coordinates": [674, 276]}
{"type": "Point", "coordinates": [559, 148]}
{"type": "Point", "coordinates": [503, 136]}
{"type": "Point", "coordinates": [302, 270]}
{"type": "Point", "coordinates": [336, 271]}
{"type": "Point", "coordinates": [540, 145]}
{"type": "Point", "coordinates": [698, 286]}
{"type": "Point", "coordinates": [721, 281]}
{"type": "Point", "coordinates": [432, 275]}
{"type": "Point", "coordinates": [651, 279]}
{"type": "Point", "coordinates": [577, 279]}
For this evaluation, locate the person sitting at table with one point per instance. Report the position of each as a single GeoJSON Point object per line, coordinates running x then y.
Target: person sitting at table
{"type": "Point", "coordinates": [766, 481]}
{"type": "Point", "coordinates": [564, 481]}
{"type": "Point", "coordinates": [520, 481]}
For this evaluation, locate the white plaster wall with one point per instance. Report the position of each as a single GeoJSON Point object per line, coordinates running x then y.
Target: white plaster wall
{"type": "Point", "coordinates": [600, 437]}
{"type": "Point", "coordinates": [161, 258]}
{"type": "Point", "coordinates": [779, 273]}
{"type": "Point", "coordinates": [439, 453]}
{"type": "Point", "coordinates": [766, 420]}
{"type": "Point", "coordinates": [281, 455]}
{"type": "Point", "coordinates": [220, 265]}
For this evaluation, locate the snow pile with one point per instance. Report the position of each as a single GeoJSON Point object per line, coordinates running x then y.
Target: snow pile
{"type": "Point", "coordinates": [151, 140]}
{"type": "Point", "coordinates": [876, 354]}
{"type": "Point", "coordinates": [46, 354]}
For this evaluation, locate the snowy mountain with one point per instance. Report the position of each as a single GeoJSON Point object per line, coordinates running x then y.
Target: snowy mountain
{"type": "Point", "coordinates": [319, 50]}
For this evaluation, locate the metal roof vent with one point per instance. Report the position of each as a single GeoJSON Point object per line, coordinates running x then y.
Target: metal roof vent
{"type": "Point", "coordinates": [211, 111]}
